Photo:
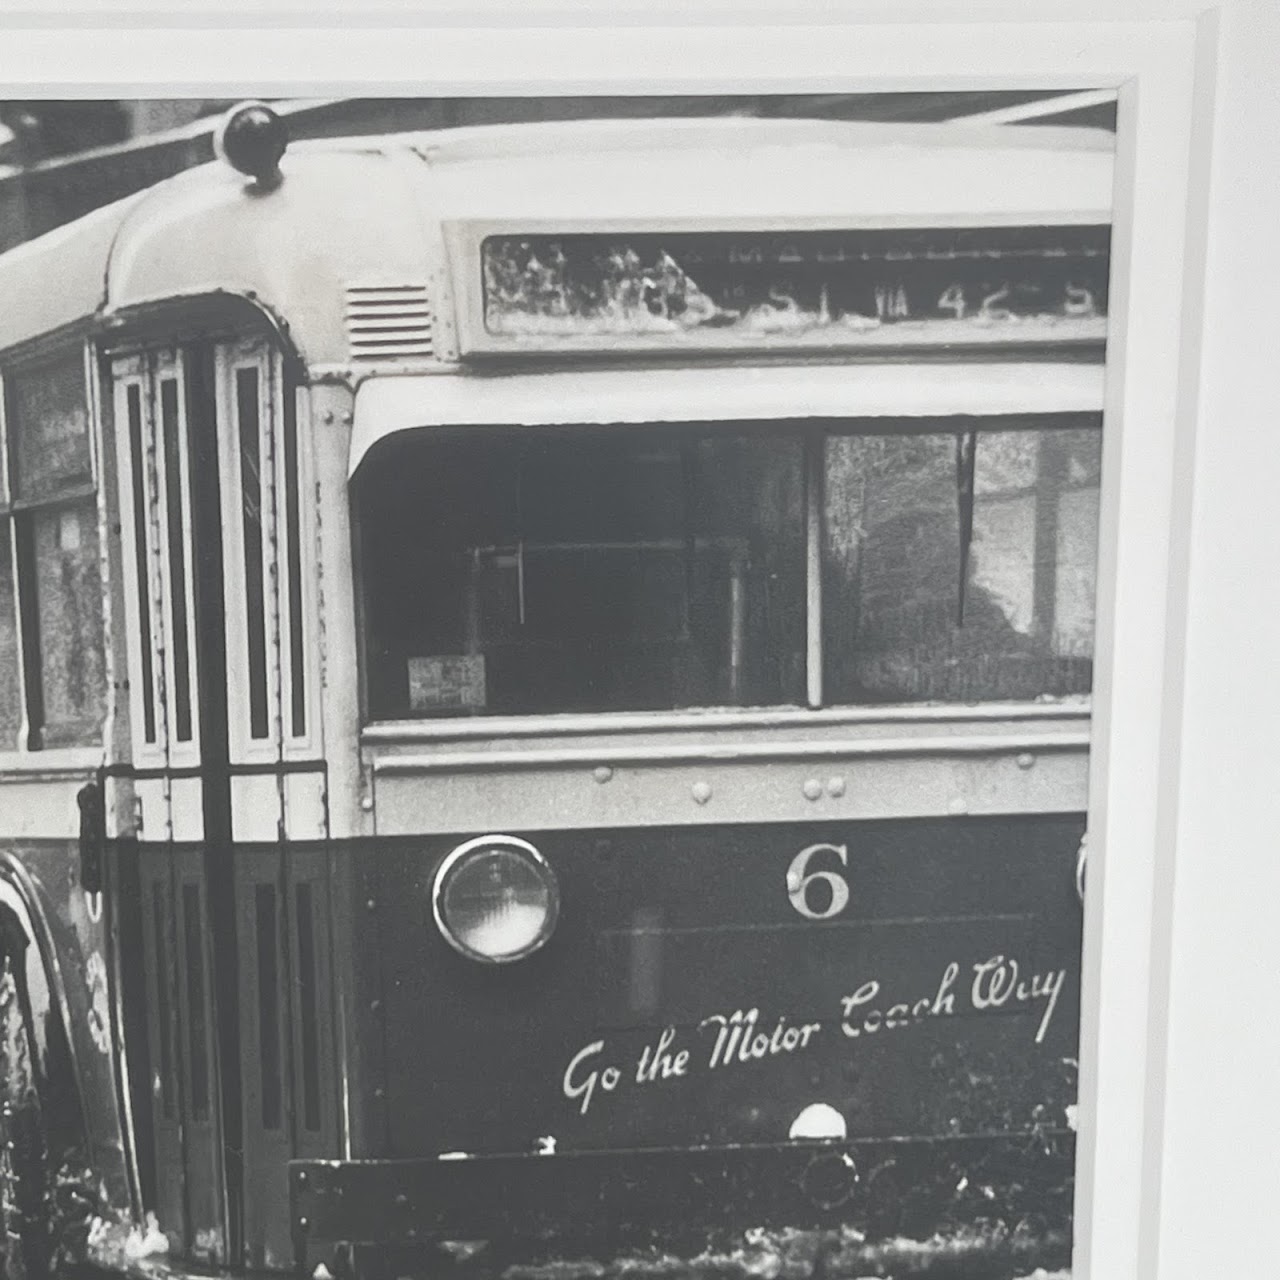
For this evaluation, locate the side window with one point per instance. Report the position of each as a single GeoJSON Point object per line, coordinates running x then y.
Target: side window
{"type": "Point", "coordinates": [584, 572]}
{"type": "Point", "coordinates": [50, 580]}
{"type": "Point", "coordinates": [622, 570]}
{"type": "Point", "coordinates": [960, 567]}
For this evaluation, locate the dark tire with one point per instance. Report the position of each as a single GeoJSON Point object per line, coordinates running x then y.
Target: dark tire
{"type": "Point", "coordinates": [24, 1186]}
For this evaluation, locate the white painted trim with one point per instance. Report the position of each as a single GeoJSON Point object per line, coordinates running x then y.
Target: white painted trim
{"type": "Point", "coordinates": [337, 616]}
{"type": "Point", "coordinates": [57, 762]}
{"type": "Point", "coordinates": [691, 752]}
{"type": "Point", "coordinates": [642, 794]}
{"type": "Point", "coordinates": [41, 805]}
{"type": "Point", "coordinates": [733, 394]}
{"type": "Point", "coordinates": [102, 497]}
{"type": "Point", "coordinates": [623, 722]}
{"type": "Point", "coordinates": [296, 746]}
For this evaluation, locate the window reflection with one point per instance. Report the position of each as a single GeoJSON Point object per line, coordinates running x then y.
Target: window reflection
{"type": "Point", "coordinates": [900, 622]}
{"type": "Point", "coordinates": [68, 589]}
{"type": "Point", "coordinates": [53, 529]}
{"type": "Point", "coordinates": [50, 413]}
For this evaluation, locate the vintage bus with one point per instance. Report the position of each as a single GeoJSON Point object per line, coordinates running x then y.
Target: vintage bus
{"type": "Point", "coordinates": [544, 683]}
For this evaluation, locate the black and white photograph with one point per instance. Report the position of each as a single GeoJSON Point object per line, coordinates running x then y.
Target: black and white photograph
{"type": "Point", "coordinates": [546, 662]}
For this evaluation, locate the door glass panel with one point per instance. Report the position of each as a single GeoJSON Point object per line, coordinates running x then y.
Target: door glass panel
{"type": "Point", "coordinates": [252, 494]}
{"type": "Point", "coordinates": [142, 572]}
{"type": "Point", "coordinates": [175, 550]}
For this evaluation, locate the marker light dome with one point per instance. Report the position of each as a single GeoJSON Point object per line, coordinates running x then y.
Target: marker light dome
{"type": "Point", "coordinates": [495, 899]}
{"type": "Point", "coordinates": [253, 138]}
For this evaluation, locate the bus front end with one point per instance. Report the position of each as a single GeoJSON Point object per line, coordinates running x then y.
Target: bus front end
{"type": "Point", "coordinates": [724, 602]}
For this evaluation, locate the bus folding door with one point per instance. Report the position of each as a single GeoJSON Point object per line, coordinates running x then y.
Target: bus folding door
{"type": "Point", "coordinates": [158, 470]}
{"type": "Point", "coordinates": [276, 777]}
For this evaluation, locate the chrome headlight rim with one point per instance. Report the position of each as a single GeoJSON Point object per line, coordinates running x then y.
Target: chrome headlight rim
{"type": "Point", "coordinates": [458, 857]}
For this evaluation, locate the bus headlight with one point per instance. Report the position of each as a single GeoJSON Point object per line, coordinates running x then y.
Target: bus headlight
{"type": "Point", "coordinates": [495, 899]}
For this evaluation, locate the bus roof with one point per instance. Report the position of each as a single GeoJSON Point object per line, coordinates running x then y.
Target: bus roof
{"type": "Point", "coordinates": [371, 210]}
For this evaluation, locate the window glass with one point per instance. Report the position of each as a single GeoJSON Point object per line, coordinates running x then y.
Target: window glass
{"type": "Point", "coordinates": [908, 615]}
{"type": "Point", "coordinates": [137, 459]}
{"type": "Point", "coordinates": [247, 417]}
{"type": "Point", "coordinates": [49, 426]}
{"type": "Point", "coordinates": [582, 571]}
{"type": "Point", "coordinates": [175, 549]}
{"type": "Point", "coordinates": [10, 689]}
{"type": "Point", "coordinates": [68, 590]}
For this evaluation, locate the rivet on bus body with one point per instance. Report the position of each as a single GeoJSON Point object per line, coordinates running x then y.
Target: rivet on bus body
{"type": "Point", "coordinates": [812, 788]}
{"type": "Point", "coordinates": [375, 1006]}
{"type": "Point", "coordinates": [702, 792]}
{"type": "Point", "coordinates": [379, 1093]}
{"type": "Point", "coordinates": [346, 418]}
{"type": "Point", "coordinates": [371, 904]}
{"type": "Point", "coordinates": [602, 773]}
{"type": "Point", "coordinates": [304, 1223]}
{"type": "Point", "coordinates": [835, 786]}
{"type": "Point", "coordinates": [302, 1177]}
{"type": "Point", "coordinates": [958, 805]}
{"type": "Point", "coordinates": [327, 416]}
{"type": "Point", "coordinates": [1025, 760]}
{"type": "Point", "coordinates": [366, 803]}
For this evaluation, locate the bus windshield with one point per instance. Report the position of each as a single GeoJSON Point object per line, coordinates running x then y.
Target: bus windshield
{"type": "Point", "coordinates": [621, 569]}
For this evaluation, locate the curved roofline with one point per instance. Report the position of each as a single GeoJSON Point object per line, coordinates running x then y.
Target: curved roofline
{"type": "Point", "coordinates": [494, 141]}
{"type": "Point", "coordinates": [85, 257]}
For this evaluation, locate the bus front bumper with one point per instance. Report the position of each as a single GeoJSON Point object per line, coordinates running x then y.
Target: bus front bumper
{"type": "Point", "coordinates": [646, 1195]}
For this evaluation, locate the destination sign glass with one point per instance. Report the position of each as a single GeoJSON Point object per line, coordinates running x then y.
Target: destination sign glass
{"type": "Point", "coordinates": [865, 288]}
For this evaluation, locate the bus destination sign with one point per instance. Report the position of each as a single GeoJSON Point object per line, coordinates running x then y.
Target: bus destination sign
{"type": "Point", "coordinates": [819, 289]}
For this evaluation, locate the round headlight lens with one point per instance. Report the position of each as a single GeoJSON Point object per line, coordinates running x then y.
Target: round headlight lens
{"type": "Point", "coordinates": [495, 899]}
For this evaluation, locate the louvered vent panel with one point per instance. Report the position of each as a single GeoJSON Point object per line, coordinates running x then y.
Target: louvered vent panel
{"type": "Point", "coordinates": [387, 321]}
